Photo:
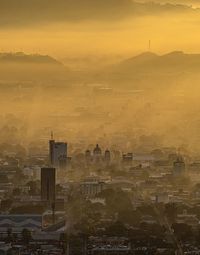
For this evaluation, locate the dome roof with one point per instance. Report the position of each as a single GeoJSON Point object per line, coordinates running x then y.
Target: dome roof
{"type": "Point", "coordinates": [97, 150]}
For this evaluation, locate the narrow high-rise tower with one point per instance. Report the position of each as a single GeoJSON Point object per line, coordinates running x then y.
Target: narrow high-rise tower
{"type": "Point", "coordinates": [48, 184]}
{"type": "Point", "coordinates": [57, 153]}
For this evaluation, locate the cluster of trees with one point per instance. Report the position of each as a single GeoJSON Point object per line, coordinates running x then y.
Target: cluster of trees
{"type": "Point", "coordinates": [115, 215]}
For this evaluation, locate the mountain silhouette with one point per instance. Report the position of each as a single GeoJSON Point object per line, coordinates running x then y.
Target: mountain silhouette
{"type": "Point", "coordinates": [21, 57]}
{"type": "Point", "coordinates": [153, 71]}
{"type": "Point", "coordinates": [150, 63]}
{"type": "Point", "coordinates": [23, 67]}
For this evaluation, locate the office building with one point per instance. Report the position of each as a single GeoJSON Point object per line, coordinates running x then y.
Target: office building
{"type": "Point", "coordinates": [179, 167]}
{"type": "Point", "coordinates": [48, 184]}
{"type": "Point", "coordinates": [127, 158]}
{"type": "Point", "coordinates": [91, 186]}
{"type": "Point", "coordinates": [107, 157]}
{"type": "Point", "coordinates": [57, 153]}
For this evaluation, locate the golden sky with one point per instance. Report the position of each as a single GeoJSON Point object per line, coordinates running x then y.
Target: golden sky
{"type": "Point", "coordinates": [76, 27]}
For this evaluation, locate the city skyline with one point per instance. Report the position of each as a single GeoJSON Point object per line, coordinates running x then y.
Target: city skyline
{"type": "Point", "coordinates": [99, 127]}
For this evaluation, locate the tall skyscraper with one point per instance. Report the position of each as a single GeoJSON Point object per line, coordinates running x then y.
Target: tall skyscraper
{"type": "Point", "coordinates": [57, 153]}
{"type": "Point", "coordinates": [48, 184]}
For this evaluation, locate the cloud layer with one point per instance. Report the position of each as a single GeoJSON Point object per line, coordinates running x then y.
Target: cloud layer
{"type": "Point", "coordinates": [23, 12]}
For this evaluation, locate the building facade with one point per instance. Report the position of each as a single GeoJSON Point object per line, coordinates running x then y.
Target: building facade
{"type": "Point", "coordinates": [48, 184]}
{"type": "Point", "coordinates": [58, 154]}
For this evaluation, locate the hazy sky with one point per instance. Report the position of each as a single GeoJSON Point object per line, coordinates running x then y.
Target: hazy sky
{"type": "Point", "coordinates": [76, 28]}
{"type": "Point", "coordinates": [81, 27]}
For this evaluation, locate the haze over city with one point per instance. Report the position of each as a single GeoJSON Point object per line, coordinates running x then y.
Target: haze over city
{"type": "Point", "coordinates": [99, 127]}
{"type": "Point", "coordinates": [91, 38]}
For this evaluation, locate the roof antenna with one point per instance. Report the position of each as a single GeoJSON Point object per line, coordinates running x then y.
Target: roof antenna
{"type": "Point", "coordinates": [149, 45]}
{"type": "Point", "coordinates": [51, 135]}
